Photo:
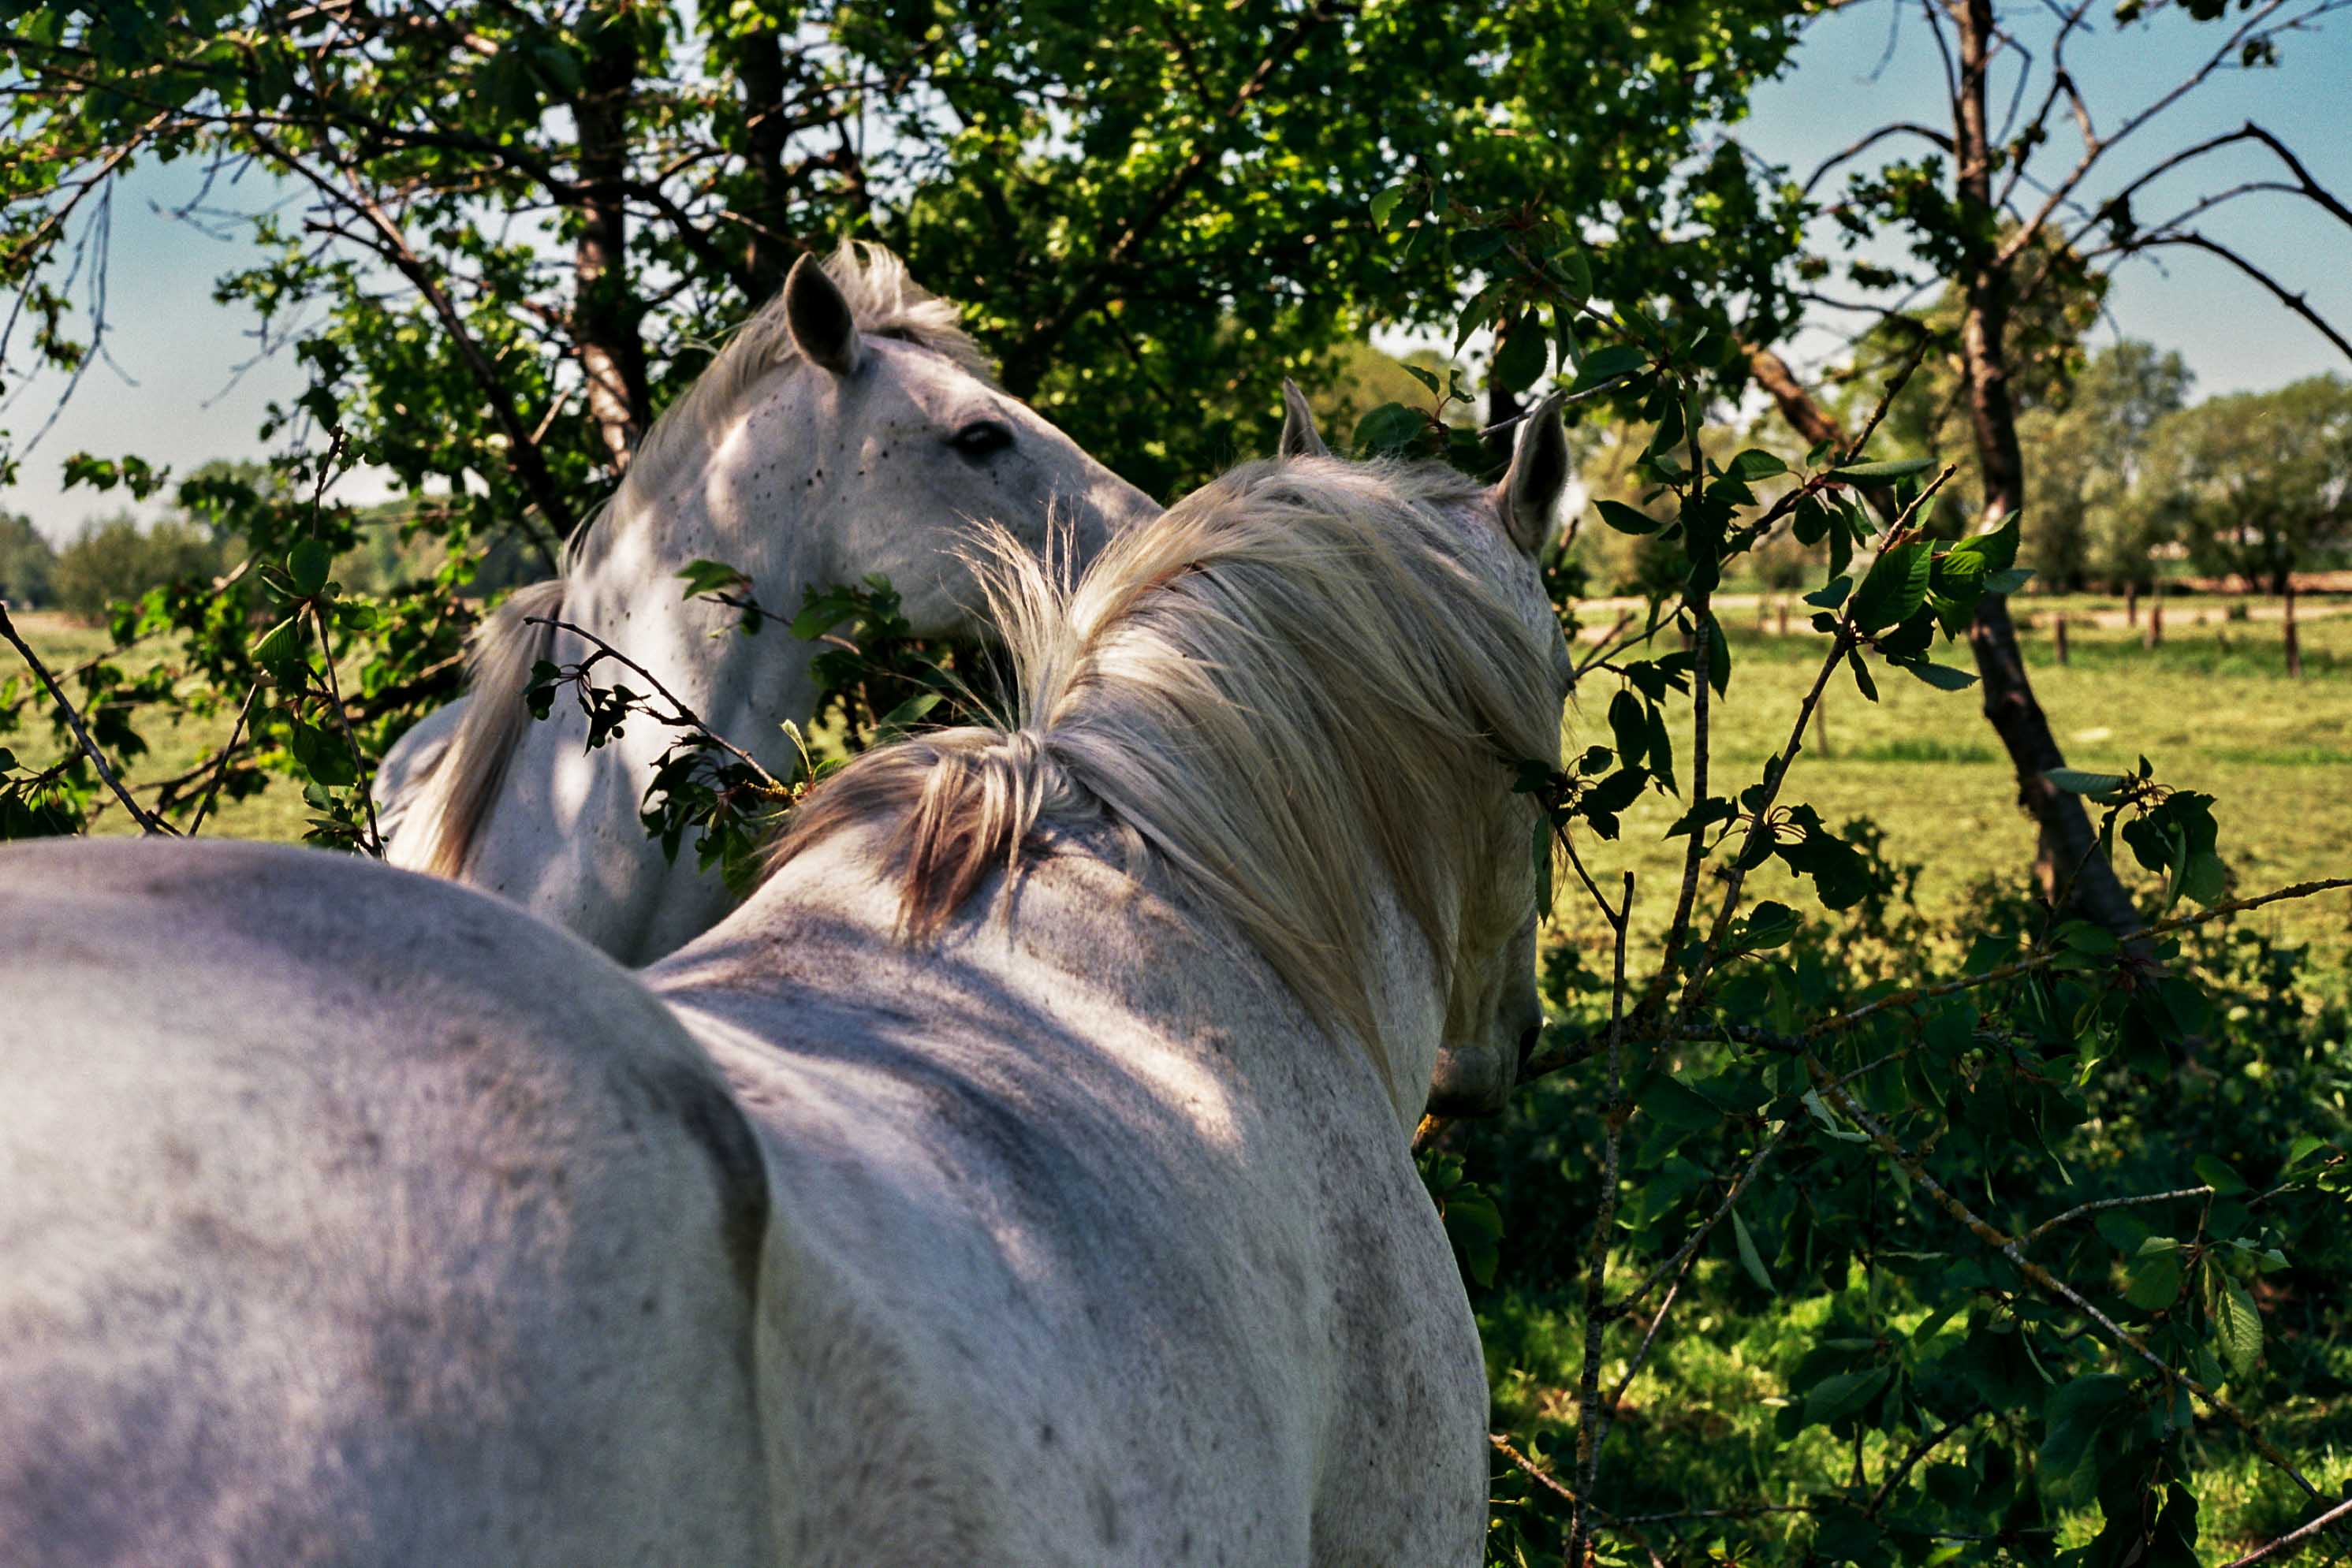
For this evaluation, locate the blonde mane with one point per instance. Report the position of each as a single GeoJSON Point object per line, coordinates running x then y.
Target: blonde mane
{"type": "Point", "coordinates": [1291, 687]}
{"type": "Point", "coordinates": [885, 303]}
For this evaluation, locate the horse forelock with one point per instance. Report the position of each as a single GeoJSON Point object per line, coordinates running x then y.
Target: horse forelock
{"type": "Point", "coordinates": [885, 302]}
{"type": "Point", "coordinates": [1295, 686]}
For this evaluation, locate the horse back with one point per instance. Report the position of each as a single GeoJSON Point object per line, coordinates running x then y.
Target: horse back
{"type": "Point", "coordinates": [1088, 1246]}
{"type": "Point", "coordinates": [350, 1217]}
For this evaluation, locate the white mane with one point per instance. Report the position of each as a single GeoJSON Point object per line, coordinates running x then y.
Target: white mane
{"type": "Point", "coordinates": [1291, 687]}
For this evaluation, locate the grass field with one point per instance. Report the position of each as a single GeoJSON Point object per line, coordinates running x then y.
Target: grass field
{"type": "Point", "coordinates": [62, 643]}
{"type": "Point", "coordinates": [2212, 708]}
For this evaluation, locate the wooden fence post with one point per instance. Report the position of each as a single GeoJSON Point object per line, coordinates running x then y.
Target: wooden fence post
{"type": "Point", "coordinates": [2293, 643]}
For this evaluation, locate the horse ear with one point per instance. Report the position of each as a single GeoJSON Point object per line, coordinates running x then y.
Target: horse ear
{"type": "Point", "coordinates": [1298, 436]}
{"type": "Point", "coordinates": [1537, 477]}
{"type": "Point", "coordinates": [822, 325]}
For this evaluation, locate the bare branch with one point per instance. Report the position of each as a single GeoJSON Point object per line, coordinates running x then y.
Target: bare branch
{"type": "Point", "coordinates": [2293, 299]}
{"type": "Point", "coordinates": [1604, 1226]}
{"type": "Point", "coordinates": [2104, 1204]}
{"type": "Point", "coordinates": [2296, 1537]}
{"type": "Point", "coordinates": [1899, 128]}
{"type": "Point", "coordinates": [2031, 230]}
{"type": "Point", "coordinates": [220, 763]}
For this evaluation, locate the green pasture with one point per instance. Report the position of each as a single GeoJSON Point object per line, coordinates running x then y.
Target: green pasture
{"type": "Point", "coordinates": [2211, 706]}
{"type": "Point", "coordinates": [64, 644]}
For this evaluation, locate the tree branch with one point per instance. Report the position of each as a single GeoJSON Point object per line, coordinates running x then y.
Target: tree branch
{"type": "Point", "coordinates": [147, 820]}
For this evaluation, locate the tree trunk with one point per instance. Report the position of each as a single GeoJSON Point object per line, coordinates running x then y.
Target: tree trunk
{"type": "Point", "coordinates": [770, 253]}
{"type": "Point", "coordinates": [604, 313]}
{"type": "Point", "coordinates": [2068, 864]}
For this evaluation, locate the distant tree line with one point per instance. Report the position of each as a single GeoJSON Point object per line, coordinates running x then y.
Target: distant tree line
{"type": "Point", "coordinates": [2254, 487]}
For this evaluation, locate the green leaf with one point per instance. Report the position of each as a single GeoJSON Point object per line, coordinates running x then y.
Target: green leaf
{"type": "Point", "coordinates": [1832, 594]}
{"type": "Point", "coordinates": [1609, 361]}
{"type": "Point", "coordinates": [1862, 681]}
{"type": "Point", "coordinates": [1753, 1261]}
{"type": "Point", "coordinates": [1835, 1397]}
{"type": "Point", "coordinates": [307, 566]}
{"type": "Point", "coordinates": [706, 576]}
{"type": "Point", "coordinates": [1992, 550]}
{"type": "Point", "coordinates": [1521, 356]}
{"type": "Point", "coordinates": [1389, 428]}
{"type": "Point", "coordinates": [906, 715]}
{"type": "Point", "coordinates": [2237, 1326]}
{"type": "Point", "coordinates": [1769, 924]}
{"type": "Point", "coordinates": [2075, 781]}
{"type": "Point", "coordinates": [2072, 1417]}
{"type": "Point", "coordinates": [1671, 1102]}
{"type": "Point", "coordinates": [2218, 1175]}
{"type": "Point", "coordinates": [1719, 657]}
{"type": "Point", "coordinates": [1385, 203]}
{"type": "Point", "coordinates": [1943, 677]}
{"type": "Point", "coordinates": [279, 643]}
{"type": "Point", "coordinates": [1753, 465]}
{"type": "Point", "coordinates": [1630, 723]}
{"type": "Point", "coordinates": [1627, 519]}
{"type": "Point", "coordinates": [1897, 587]}
{"type": "Point", "coordinates": [2153, 1275]}
{"type": "Point", "coordinates": [1886, 473]}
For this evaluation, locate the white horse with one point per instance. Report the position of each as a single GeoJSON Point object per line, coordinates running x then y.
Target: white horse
{"type": "Point", "coordinates": [849, 428]}
{"type": "Point", "coordinates": [1020, 1177]}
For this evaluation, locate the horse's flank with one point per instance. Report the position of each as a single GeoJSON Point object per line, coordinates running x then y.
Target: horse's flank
{"type": "Point", "coordinates": [460, 790]}
{"type": "Point", "coordinates": [1293, 688]}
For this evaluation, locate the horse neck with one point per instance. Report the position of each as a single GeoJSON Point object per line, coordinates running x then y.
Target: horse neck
{"type": "Point", "coordinates": [748, 504]}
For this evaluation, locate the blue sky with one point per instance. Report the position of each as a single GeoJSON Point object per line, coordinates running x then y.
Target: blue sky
{"type": "Point", "coordinates": [175, 398]}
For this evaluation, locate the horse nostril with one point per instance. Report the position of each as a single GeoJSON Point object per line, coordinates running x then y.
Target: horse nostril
{"type": "Point", "coordinates": [1528, 1043]}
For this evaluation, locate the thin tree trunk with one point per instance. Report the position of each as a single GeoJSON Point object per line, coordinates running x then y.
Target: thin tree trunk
{"type": "Point", "coordinates": [2068, 864]}
{"type": "Point", "coordinates": [770, 251]}
{"type": "Point", "coordinates": [604, 313]}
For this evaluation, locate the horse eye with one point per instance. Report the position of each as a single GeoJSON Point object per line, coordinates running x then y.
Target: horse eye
{"type": "Point", "coordinates": [981, 439]}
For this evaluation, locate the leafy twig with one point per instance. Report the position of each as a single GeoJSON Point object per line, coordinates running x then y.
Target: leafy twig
{"type": "Point", "coordinates": [343, 722]}
{"type": "Point", "coordinates": [220, 763]}
{"type": "Point", "coordinates": [148, 821]}
{"type": "Point", "coordinates": [683, 716]}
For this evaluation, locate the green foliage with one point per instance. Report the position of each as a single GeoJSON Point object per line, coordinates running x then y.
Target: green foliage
{"type": "Point", "coordinates": [502, 196]}
{"type": "Point", "coordinates": [2256, 484]}
{"type": "Point", "coordinates": [27, 564]}
{"type": "Point", "coordinates": [1799, 1129]}
{"type": "Point", "coordinates": [116, 559]}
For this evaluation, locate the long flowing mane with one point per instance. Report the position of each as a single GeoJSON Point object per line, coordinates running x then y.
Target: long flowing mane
{"type": "Point", "coordinates": [885, 303]}
{"type": "Point", "coordinates": [1291, 687]}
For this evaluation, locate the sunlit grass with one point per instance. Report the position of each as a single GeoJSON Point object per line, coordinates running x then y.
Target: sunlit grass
{"type": "Point", "coordinates": [2276, 754]}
